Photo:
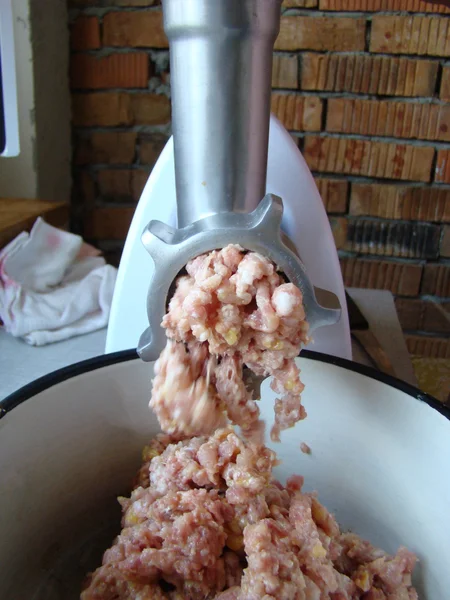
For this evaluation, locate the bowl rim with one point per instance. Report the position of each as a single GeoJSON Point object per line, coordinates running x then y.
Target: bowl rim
{"type": "Point", "coordinates": [105, 360]}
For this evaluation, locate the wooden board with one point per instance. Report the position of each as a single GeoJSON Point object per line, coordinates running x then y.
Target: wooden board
{"type": "Point", "coordinates": [19, 214]}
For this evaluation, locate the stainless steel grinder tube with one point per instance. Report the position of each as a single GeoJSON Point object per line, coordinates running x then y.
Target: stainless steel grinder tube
{"type": "Point", "coordinates": [221, 65]}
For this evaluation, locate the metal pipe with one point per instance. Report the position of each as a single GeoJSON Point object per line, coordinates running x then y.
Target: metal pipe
{"type": "Point", "coordinates": [221, 65]}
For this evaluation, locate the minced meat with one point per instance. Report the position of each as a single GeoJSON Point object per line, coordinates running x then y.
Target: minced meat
{"type": "Point", "coordinates": [232, 310]}
{"type": "Point", "coordinates": [208, 520]}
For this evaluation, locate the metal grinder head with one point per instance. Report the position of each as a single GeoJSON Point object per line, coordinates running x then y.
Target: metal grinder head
{"type": "Point", "coordinates": [221, 65]}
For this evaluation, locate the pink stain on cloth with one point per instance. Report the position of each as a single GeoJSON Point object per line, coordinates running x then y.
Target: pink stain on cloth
{"type": "Point", "coordinates": [53, 286]}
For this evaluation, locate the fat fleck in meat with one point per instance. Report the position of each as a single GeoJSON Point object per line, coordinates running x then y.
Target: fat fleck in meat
{"type": "Point", "coordinates": [207, 521]}
{"type": "Point", "coordinates": [231, 310]}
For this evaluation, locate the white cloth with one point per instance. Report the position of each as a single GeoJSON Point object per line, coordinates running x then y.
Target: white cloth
{"type": "Point", "coordinates": [53, 286]}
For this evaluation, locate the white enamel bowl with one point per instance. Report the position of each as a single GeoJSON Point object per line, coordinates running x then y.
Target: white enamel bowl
{"type": "Point", "coordinates": [71, 441]}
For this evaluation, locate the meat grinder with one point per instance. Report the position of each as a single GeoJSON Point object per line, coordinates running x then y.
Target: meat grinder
{"type": "Point", "coordinates": [230, 173]}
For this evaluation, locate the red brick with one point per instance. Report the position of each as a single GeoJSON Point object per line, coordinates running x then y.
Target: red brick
{"type": "Point", "coordinates": [423, 315]}
{"type": "Point", "coordinates": [102, 109]}
{"type": "Point", "coordinates": [139, 179]}
{"type": "Point", "coordinates": [339, 227]}
{"type": "Point", "coordinates": [122, 185]}
{"type": "Point", "coordinates": [365, 74]}
{"type": "Point", "coordinates": [369, 158]}
{"type": "Point", "coordinates": [410, 313]}
{"type": "Point", "coordinates": [387, 118]}
{"type": "Point", "coordinates": [436, 280]}
{"type": "Point", "coordinates": [150, 109]}
{"type": "Point", "coordinates": [392, 238]}
{"type": "Point", "coordinates": [115, 185]}
{"type": "Point", "coordinates": [108, 109]}
{"type": "Point", "coordinates": [321, 33]}
{"type": "Point", "coordinates": [84, 188]}
{"type": "Point", "coordinates": [432, 347]}
{"type": "Point", "coordinates": [85, 33]}
{"type": "Point", "coordinates": [445, 242]}
{"type": "Point", "coordinates": [151, 146]}
{"type": "Point", "coordinates": [129, 70]}
{"type": "Point", "coordinates": [134, 29]}
{"type": "Point", "coordinates": [436, 317]}
{"type": "Point", "coordinates": [334, 194]}
{"type": "Point", "coordinates": [285, 72]}
{"type": "Point", "coordinates": [110, 223]}
{"type": "Point", "coordinates": [299, 3]}
{"type": "Point", "coordinates": [383, 5]}
{"type": "Point", "coordinates": [106, 147]}
{"type": "Point", "coordinates": [445, 84]}
{"type": "Point", "coordinates": [442, 173]}
{"type": "Point", "coordinates": [297, 113]}
{"type": "Point", "coordinates": [398, 277]}
{"type": "Point", "coordinates": [390, 201]}
{"type": "Point", "coordinates": [410, 35]}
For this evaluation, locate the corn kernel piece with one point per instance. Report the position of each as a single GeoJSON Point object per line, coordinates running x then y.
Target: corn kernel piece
{"type": "Point", "coordinates": [362, 580]}
{"type": "Point", "coordinates": [234, 527]}
{"type": "Point", "coordinates": [148, 453]}
{"type": "Point", "coordinates": [279, 345]}
{"type": "Point", "coordinates": [289, 385]}
{"type": "Point", "coordinates": [319, 513]}
{"type": "Point", "coordinates": [318, 551]}
{"type": "Point", "coordinates": [241, 480]}
{"type": "Point", "coordinates": [235, 542]}
{"type": "Point", "coordinates": [131, 518]}
{"type": "Point", "coordinates": [231, 337]}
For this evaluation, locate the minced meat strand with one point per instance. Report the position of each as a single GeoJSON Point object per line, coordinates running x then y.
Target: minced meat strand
{"type": "Point", "coordinates": [232, 310]}
{"type": "Point", "coordinates": [305, 448]}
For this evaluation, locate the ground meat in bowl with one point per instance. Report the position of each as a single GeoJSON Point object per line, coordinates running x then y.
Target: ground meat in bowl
{"type": "Point", "coordinates": [207, 520]}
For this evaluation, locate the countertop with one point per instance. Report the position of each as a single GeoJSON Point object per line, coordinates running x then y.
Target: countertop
{"type": "Point", "coordinates": [19, 214]}
{"type": "Point", "coordinates": [20, 363]}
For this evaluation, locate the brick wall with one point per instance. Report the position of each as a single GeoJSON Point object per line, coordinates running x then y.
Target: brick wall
{"type": "Point", "coordinates": [362, 85]}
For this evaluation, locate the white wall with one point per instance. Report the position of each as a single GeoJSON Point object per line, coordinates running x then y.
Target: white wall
{"type": "Point", "coordinates": [42, 169]}
{"type": "Point", "coordinates": [18, 174]}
